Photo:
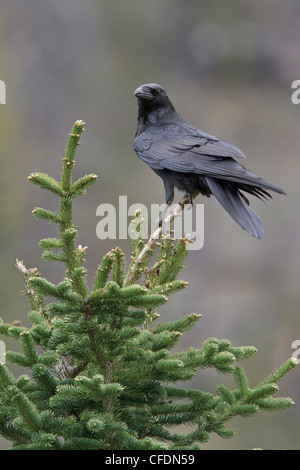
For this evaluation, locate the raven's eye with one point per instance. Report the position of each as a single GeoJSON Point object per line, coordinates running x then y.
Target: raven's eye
{"type": "Point", "coordinates": [155, 92]}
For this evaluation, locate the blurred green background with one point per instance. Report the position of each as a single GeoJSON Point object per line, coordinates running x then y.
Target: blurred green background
{"type": "Point", "coordinates": [228, 68]}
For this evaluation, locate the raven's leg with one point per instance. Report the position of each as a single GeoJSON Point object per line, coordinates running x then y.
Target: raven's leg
{"type": "Point", "coordinates": [169, 191]}
{"type": "Point", "coordinates": [190, 198]}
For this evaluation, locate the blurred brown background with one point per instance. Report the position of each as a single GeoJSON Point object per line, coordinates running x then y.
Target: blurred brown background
{"type": "Point", "coordinates": [228, 68]}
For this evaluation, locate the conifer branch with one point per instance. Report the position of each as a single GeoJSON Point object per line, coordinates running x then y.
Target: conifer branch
{"type": "Point", "coordinates": [139, 262]}
{"type": "Point", "coordinates": [102, 373]}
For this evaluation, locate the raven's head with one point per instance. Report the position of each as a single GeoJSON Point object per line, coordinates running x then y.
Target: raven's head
{"type": "Point", "coordinates": [153, 102]}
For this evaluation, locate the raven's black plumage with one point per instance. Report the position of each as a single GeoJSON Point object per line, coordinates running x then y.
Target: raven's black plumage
{"type": "Point", "coordinates": [193, 161]}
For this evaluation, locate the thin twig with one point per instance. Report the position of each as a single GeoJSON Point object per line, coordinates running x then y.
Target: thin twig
{"type": "Point", "coordinates": [154, 237]}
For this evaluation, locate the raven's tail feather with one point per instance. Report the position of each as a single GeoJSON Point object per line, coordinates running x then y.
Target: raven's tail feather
{"type": "Point", "coordinates": [237, 206]}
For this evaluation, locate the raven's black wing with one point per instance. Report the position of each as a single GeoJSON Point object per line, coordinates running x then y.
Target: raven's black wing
{"type": "Point", "coordinates": [182, 148]}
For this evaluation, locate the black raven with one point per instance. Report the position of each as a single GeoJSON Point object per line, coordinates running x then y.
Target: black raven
{"type": "Point", "coordinates": [195, 162]}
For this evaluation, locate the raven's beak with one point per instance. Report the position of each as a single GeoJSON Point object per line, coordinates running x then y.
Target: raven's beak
{"type": "Point", "coordinates": [143, 92]}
